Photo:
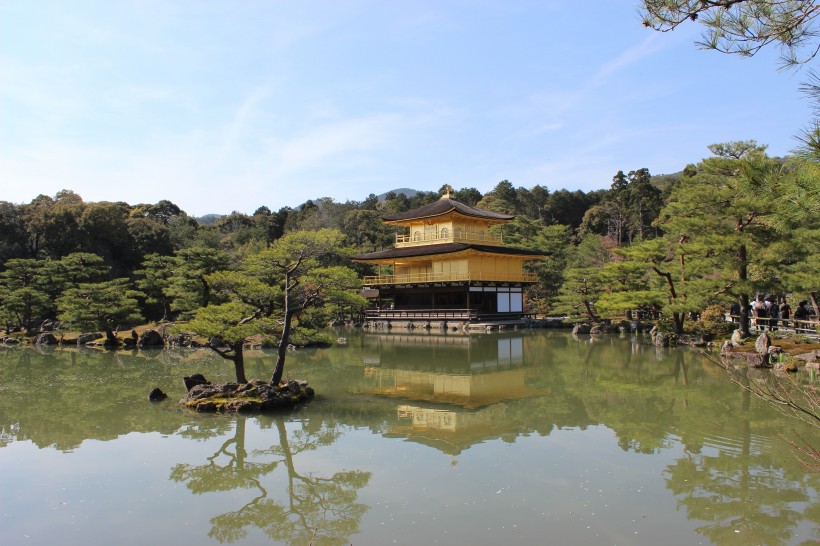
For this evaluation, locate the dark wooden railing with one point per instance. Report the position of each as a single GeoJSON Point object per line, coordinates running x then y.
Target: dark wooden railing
{"type": "Point", "coordinates": [411, 314]}
{"type": "Point", "coordinates": [440, 314]}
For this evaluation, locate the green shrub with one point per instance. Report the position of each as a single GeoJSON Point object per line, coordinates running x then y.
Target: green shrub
{"type": "Point", "coordinates": [710, 322]}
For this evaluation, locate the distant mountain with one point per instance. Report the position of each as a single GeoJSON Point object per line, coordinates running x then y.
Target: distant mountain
{"type": "Point", "coordinates": [209, 219]}
{"type": "Point", "coordinates": [406, 191]}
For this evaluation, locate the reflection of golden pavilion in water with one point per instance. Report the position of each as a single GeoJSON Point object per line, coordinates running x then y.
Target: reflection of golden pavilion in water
{"type": "Point", "coordinates": [462, 382]}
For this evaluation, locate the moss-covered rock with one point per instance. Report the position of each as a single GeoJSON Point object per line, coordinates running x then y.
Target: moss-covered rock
{"type": "Point", "coordinates": [254, 396]}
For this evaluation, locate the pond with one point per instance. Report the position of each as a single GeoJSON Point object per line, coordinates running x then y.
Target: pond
{"type": "Point", "coordinates": [510, 438]}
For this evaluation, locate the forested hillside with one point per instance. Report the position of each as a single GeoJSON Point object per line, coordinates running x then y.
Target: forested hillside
{"type": "Point", "coordinates": [735, 224]}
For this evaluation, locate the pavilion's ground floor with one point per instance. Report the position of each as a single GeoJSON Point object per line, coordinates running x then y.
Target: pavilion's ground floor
{"type": "Point", "coordinates": [445, 305]}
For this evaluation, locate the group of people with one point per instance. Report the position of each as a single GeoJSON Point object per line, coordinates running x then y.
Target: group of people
{"type": "Point", "coordinates": [768, 312]}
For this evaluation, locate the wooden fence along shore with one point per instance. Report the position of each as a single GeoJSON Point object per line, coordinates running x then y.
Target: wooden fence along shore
{"type": "Point", "coordinates": [809, 326]}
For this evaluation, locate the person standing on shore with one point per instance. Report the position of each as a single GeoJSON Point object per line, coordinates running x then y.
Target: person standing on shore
{"type": "Point", "coordinates": [785, 313]}
{"type": "Point", "coordinates": [801, 313]}
{"type": "Point", "coordinates": [760, 314]}
{"type": "Point", "coordinates": [774, 314]}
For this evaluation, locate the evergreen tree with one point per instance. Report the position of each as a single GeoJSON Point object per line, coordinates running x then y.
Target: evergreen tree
{"type": "Point", "coordinates": [189, 287]}
{"type": "Point", "coordinates": [76, 268]}
{"type": "Point", "coordinates": [568, 208]}
{"type": "Point", "coordinates": [366, 231]}
{"type": "Point", "coordinates": [644, 202]}
{"type": "Point", "coordinates": [468, 196]}
{"type": "Point", "coordinates": [23, 294]}
{"type": "Point", "coordinates": [722, 211]}
{"type": "Point", "coordinates": [627, 210]}
{"type": "Point", "coordinates": [555, 242]}
{"type": "Point", "coordinates": [628, 284]}
{"type": "Point", "coordinates": [270, 225]}
{"type": "Point", "coordinates": [271, 291]}
{"type": "Point", "coordinates": [658, 275]}
{"type": "Point", "coordinates": [148, 236]}
{"type": "Point", "coordinates": [503, 198]}
{"type": "Point", "coordinates": [583, 279]}
{"type": "Point", "coordinates": [743, 27]}
{"type": "Point", "coordinates": [53, 224]}
{"type": "Point", "coordinates": [795, 261]}
{"type": "Point", "coordinates": [13, 235]}
{"type": "Point", "coordinates": [104, 231]}
{"type": "Point", "coordinates": [105, 305]}
{"type": "Point", "coordinates": [154, 281]}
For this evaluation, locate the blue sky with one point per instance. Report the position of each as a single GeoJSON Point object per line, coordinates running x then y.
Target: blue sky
{"type": "Point", "coordinates": [230, 105]}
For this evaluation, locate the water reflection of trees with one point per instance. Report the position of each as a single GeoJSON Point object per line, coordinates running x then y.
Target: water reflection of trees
{"type": "Point", "coordinates": [740, 496]}
{"type": "Point", "coordinates": [60, 398]}
{"type": "Point", "coordinates": [315, 509]}
{"type": "Point", "coordinates": [736, 476]}
{"type": "Point", "coordinates": [654, 401]}
{"type": "Point", "coordinates": [741, 485]}
{"type": "Point", "coordinates": [624, 384]}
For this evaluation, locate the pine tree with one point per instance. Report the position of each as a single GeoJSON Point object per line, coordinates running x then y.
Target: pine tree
{"type": "Point", "coordinates": [105, 305]}
{"type": "Point", "coordinates": [721, 212]}
{"type": "Point", "coordinates": [272, 290]}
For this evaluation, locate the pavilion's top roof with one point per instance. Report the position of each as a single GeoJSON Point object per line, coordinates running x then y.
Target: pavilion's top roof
{"type": "Point", "coordinates": [444, 206]}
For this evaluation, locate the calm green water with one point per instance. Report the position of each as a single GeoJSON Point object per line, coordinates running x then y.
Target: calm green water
{"type": "Point", "coordinates": [521, 438]}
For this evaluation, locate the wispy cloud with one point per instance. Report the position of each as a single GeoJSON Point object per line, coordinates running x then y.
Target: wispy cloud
{"type": "Point", "coordinates": [625, 59]}
{"type": "Point", "coordinates": [243, 118]}
{"type": "Point", "coordinates": [326, 141]}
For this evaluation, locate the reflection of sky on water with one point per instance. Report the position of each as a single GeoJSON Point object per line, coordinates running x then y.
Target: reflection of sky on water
{"type": "Point", "coordinates": [567, 487]}
{"type": "Point", "coordinates": [99, 492]}
{"type": "Point", "coordinates": [416, 495]}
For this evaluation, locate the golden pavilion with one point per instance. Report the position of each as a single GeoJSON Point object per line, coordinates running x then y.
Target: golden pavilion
{"type": "Point", "coordinates": [448, 266]}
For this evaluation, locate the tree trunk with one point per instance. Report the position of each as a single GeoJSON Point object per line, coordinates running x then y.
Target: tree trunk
{"type": "Point", "coordinates": [679, 319]}
{"type": "Point", "coordinates": [744, 316]}
{"type": "Point", "coordinates": [206, 292]}
{"type": "Point", "coordinates": [288, 455]}
{"type": "Point", "coordinates": [815, 303]}
{"type": "Point", "coordinates": [743, 276]}
{"type": "Point", "coordinates": [111, 339]}
{"type": "Point", "coordinates": [592, 315]}
{"type": "Point", "coordinates": [239, 439]}
{"type": "Point", "coordinates": [239, 362]}
{"type": "Point", "coordinates": [279, 370]}
{"type": "Point", "coordinates": [282, 351]}
{"type": "Point", "coordinates": [238, 358]}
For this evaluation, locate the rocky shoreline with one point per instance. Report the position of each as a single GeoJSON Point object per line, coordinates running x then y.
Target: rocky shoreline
{"type": "Point", "coordinates": [141, 338]}
{"type": "Point", "coordinates": [254, 396]}
{"type": "Point", "coordinates": [767, 352]}
{"type": "Point", "coordinates": [149, 338]}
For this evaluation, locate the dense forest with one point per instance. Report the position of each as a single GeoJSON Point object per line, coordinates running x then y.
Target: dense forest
{"type": "Point", "coordinates": [736, 224]}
